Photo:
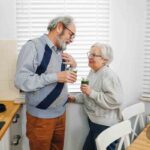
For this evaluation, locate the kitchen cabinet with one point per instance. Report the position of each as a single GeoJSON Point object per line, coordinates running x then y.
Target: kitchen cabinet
{"type": "Point", "coordinates": [12, 139]}
{"type": "Point", "coordinates": [16, 132]}
{"type": "Point", "coordinates": [5, 142]}
{"type": "Point", "coordinates": [11, 132]}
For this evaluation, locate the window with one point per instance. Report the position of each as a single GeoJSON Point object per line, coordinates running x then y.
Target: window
{"type": "Point", "coordinates": [146, 63]}
{"type": "Point", "coordinates": [91, 17]}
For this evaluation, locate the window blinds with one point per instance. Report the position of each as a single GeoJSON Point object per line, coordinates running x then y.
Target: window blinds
{"type": "Point", "coordinates": [92, 20]}
{"type": "Point", "coordinates": [146, 63]}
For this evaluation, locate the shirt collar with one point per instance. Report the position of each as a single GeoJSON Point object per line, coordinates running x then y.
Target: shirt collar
{"type": "Point", "coordinates": [50, 44]}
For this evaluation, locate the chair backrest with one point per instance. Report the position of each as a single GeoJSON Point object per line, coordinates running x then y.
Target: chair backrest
{"type": "Point", "coordinates": [136, 111]}
{"type": "Point", "coordinates": [111, 134]}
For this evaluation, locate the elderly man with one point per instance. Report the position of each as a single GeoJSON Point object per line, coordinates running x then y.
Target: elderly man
{"type": "Point", "coordinates": [42, 76]}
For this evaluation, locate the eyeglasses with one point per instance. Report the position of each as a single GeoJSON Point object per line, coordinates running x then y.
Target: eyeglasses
{"type": "Point", "coordinates": [72, 36]}
{"type": "Point", "coordinates": [89, 54]}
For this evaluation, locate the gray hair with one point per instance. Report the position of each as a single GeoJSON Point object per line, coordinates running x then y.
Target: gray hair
{"type": "Point", "coordinates": [66, 20]}
{"type": "Point", "coordinates": [105, 51]}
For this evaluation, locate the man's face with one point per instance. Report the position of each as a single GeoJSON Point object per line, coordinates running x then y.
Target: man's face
{"type": "Point", "coordinates": [66, 36]}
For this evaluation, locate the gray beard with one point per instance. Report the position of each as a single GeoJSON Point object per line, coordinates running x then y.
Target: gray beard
{"type": "Point", "coordinates": [62, 44]}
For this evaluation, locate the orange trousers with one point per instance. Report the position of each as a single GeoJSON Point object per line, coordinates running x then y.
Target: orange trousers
{"type": "Point", "coordinates": [45, 134]}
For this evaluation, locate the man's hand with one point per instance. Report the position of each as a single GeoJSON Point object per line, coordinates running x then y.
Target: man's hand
{"type": "Point", "coordinates": [66, 77]}
{"type": "Point", "coordinates": [69, 60]}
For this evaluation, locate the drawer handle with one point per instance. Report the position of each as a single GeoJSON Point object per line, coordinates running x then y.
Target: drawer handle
{"type": "Point", "coordinates": [15, 119]}
{"type": "Point", "coordinates": [16, 139]}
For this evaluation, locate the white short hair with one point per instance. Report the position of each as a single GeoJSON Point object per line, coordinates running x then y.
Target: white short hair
{"type": "Point", "coordinates": [105, 51]}
{"type": "Point", "coordinates": [66, 20]}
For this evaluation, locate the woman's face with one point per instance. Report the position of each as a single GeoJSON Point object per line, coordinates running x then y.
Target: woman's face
{"type": "Point", "coordinates": [95, 59]}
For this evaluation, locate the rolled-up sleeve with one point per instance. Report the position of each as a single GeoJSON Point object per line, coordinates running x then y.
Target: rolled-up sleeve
{"type": "Point", "coordinates": [26, 79]}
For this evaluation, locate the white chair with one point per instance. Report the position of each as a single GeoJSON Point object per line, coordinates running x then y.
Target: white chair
{"type": "Point", "coordinates": [135, 111]}
{"type": "Point", "coordinates": [117, 131]}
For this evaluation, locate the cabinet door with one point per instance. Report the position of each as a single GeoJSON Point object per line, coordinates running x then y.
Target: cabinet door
{"type": "Point", "coordinates": [5, 142]}
{"type": "Point", "coordinates": [16, 132]}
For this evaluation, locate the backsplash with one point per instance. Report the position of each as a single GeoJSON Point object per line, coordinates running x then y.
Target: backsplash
{"type": "Point", "coordinates": [8, 57]}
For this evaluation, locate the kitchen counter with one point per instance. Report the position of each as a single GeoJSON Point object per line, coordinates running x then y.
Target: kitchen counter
{"type": "Point", "coordinates": [7, 116]}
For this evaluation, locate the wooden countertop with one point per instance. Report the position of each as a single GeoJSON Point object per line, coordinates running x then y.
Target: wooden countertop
{"type": "Point", "coordinates": [7, 116]}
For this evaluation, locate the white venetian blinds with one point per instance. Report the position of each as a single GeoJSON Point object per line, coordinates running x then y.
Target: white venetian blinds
{"type": "Point", "coordinates": [91, 17]}
{"type": "Point", "coordinates": [146, 65]}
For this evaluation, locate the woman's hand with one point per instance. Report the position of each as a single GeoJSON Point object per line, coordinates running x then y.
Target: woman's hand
{"type": "Point", "coordinates": [85, 89]}
{"type": "Point", "coordinates": [71, 99]}
{"type": "Point", "coordinates": [69, 60]}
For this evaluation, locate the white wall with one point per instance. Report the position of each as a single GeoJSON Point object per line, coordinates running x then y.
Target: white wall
{"type": "Point", "coordinates": [7, 49]}
{"type": "Point", "coordinates": [7, 19]}
{"type": "Point", "coordinates": [127, 24]}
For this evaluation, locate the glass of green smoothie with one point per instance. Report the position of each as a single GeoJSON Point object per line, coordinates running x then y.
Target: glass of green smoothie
{"type": "Point", "coordinates": [85, 81]}
{"type": "Point", "coordinates": [73, 70]}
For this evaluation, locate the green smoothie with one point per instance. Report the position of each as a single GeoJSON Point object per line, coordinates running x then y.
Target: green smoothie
{"type": "Point", "coordinates": [85, 81]}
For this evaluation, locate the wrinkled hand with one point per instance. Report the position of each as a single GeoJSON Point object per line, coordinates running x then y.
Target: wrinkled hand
{"type": "Point", "coordinates": [69, 60]}
{"type": "Point", "coordinates": [85, 89]}
{"type": "Point", "coordinates": [66, 77]}
{"type": "Point", "coordinates": [71, 99]}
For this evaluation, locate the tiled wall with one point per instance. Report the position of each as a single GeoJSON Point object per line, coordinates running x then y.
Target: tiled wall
{"type": "Point", "coordinates": [8, 57]}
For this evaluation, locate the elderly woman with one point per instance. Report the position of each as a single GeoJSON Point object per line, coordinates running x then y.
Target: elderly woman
{"type": "Point", "coordinates": [102, 98]}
